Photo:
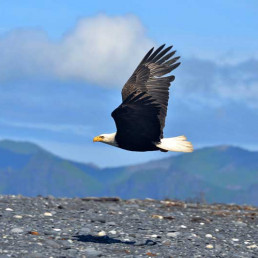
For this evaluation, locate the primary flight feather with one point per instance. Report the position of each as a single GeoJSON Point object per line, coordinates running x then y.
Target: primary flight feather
{"type": "Point", "coordinates": [140, 118]}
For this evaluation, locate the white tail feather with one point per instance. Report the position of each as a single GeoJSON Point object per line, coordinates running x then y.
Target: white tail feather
{"type": "Point", "coordinates": [178, 143]}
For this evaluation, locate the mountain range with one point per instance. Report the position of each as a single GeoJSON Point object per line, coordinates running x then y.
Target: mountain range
{"type": "Point", "coordinates": [225, 174]}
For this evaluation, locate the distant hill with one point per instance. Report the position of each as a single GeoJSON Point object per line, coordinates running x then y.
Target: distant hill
{"type": "Point", "coordinates": [215, 174]}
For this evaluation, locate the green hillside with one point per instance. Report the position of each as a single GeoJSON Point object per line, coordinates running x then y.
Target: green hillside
{"type": "Point", "coordinates": [216, 174]}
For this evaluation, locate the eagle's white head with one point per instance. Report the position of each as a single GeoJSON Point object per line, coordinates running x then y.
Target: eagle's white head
{"type": "Point", "coordinates": [108, 138]}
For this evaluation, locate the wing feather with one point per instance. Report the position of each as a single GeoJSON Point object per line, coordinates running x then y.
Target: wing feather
{"type": "Point", "coordinates": [149, 78]}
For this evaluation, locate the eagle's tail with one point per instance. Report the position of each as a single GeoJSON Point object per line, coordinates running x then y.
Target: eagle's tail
{"type": "Point", "coordinates": [178, 143]}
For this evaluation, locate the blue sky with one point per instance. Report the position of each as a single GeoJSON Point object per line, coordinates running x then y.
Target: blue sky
{"type": "Point", "coordinates": [63, 65]}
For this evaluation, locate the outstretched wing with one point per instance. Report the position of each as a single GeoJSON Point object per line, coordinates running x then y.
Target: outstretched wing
{"type": "Point", "coordinates": [137, 121]}
{"type": "Point", "coordinates": [148, 77]}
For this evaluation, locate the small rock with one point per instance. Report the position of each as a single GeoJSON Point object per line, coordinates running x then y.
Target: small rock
{"type": "Point", "coordinates": [150, 242]}
{"type": "Point", "coordinates": [57, 229]}
{"type": "Point", "coordinates": [252, 246]}
{"type": "Point", "coordinates": [17, 216]}
{"type": "Point", "coordinates": [9, 209]}
{"type": "Point", "coordinates": [52, 243]}
{"type": "Point", "coordinates": [240, 223]}
{"type": "Point", "coordinates": [111, 223]}
{"type": "Point", "coordinates": [155, 216]}
{"type": "Point", "coordinates": [209, 246]}
{"type": "Point", "coordinates": [183, 226]}
{"type": "Point", "coordinates": [113, 232]}
{"type": "Point", "coordinates": [48, 214]}
{"type": "Point", "coordinates": [17, 230]}
{"type": "Point", "coordinates": [173, 234]}
{"type": "Point", "coordinates": [102, 233]}
{"type": "Point", "coordinates": [208, 236]}
{"type": "Point", "coordinates": [235, 239]}
{"type": "Point", "coordinates": [35, 233]}
{"type": "Point", "coordinates": [92, 252]}
{"type": "Point", "coordinates": [167, 242]}
{"type": "Point", "coordinates": [84, 231]}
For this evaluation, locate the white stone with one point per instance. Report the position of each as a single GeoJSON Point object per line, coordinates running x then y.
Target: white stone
{"type": "Point", "coordinates": [235, 239]}
{"type": "Point", "coordinates": [17, 230]}
{"type": "Point", "coordinates": [9, 209]}
{"type": "Point", "coordinates": [252, 246]}
{"type": "Point", "coordinates": [217, 230]}
{"type": "Point", "coordinates": [183, 226]}
{"type": "Point", "coordinates": [48, 214]}
{"type": "Point", "coordinates": [173, 234]}
{"type": "Point", "coordinates": [102, 233]}
{"type": "Point", "coordinates": [17, 216]}
{"type": "Point", "coordinates": [156, 216]}
{"type": "Point", "coordinates": [57, 229]}
{"type": "Point", "coordinates": [201, 223]}
{"type": "Point", "coordinates": [113, 232]}
{"type": "Point", "coordinates": [209, 246]}
{"type": "Point", "coordinates": [208, 235]}
{"type": "Point", "coordinates": [70, 241]}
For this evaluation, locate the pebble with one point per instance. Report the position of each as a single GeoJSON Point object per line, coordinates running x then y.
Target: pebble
{"type": "Point", "coordinates": [240, 223]}
{"type": "Point", "coordinates": [111, 223]}
{"type": "Point", "coordinates": [9, 209]}
{"type": "Point", "coordinates": [48, 214]}
{"type": "Point", "coordinates": [113, 232]}
{"type": "Point", "coordinates": [57, 229]}
{"type": "Point", "coordinates": [173, 234]}
{"type": "Point", "coordinates": [167, 242]}
{"type": "Point", "coordinates": [155, 216]}
{"type": "Point", "coordinates": [235, 239]}
{"type": "Point", "coordinates": [52, 243]}
{"type": "Point", "coordinates": [102, 233]}
{"type": "Point", "coordinates": [17, 230]}
{"type": "Point", "coordinates": [183, 226]}
{"type": "Point", "coordinates": [252, 246]}
{"type": "Point", "coordinates": [208, 236]}
{"type": "Point", "coordinates": [209, 246]}
{"type": "Point", "coordinates": [92, 252]}
{"type": "Point", "coordinates": [17, 216]}
{"type": "Point", "coordinates": [84, 231]}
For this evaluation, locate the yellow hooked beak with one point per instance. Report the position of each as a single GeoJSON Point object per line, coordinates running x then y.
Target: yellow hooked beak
{"type": "Point", "coordinates": [97, 139]}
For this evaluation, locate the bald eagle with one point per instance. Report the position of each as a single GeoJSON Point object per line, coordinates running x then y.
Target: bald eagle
{"type": "Point", "coordinates": [140, 118]}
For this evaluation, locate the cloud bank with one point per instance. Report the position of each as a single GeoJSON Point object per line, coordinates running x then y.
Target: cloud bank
{"type": "Point", "coordinates": [100, 50]}
{"type": "Point", "coordinates": [206, 82]}
{"type": "Point", "coordinates": [105, 50]}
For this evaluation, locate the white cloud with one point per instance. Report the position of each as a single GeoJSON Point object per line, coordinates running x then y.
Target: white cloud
{"type": "Point", "coordinates": [206, 82]}
{"type": "Point", "coordinates": [101, 50]}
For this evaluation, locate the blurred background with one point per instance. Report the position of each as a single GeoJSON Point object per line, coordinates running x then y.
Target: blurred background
{"type": "Point", "coordinates": [63, 65]}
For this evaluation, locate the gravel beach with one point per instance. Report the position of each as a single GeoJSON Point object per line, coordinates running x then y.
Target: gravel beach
{"type": "Point", "coordinates": [110, 227]}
